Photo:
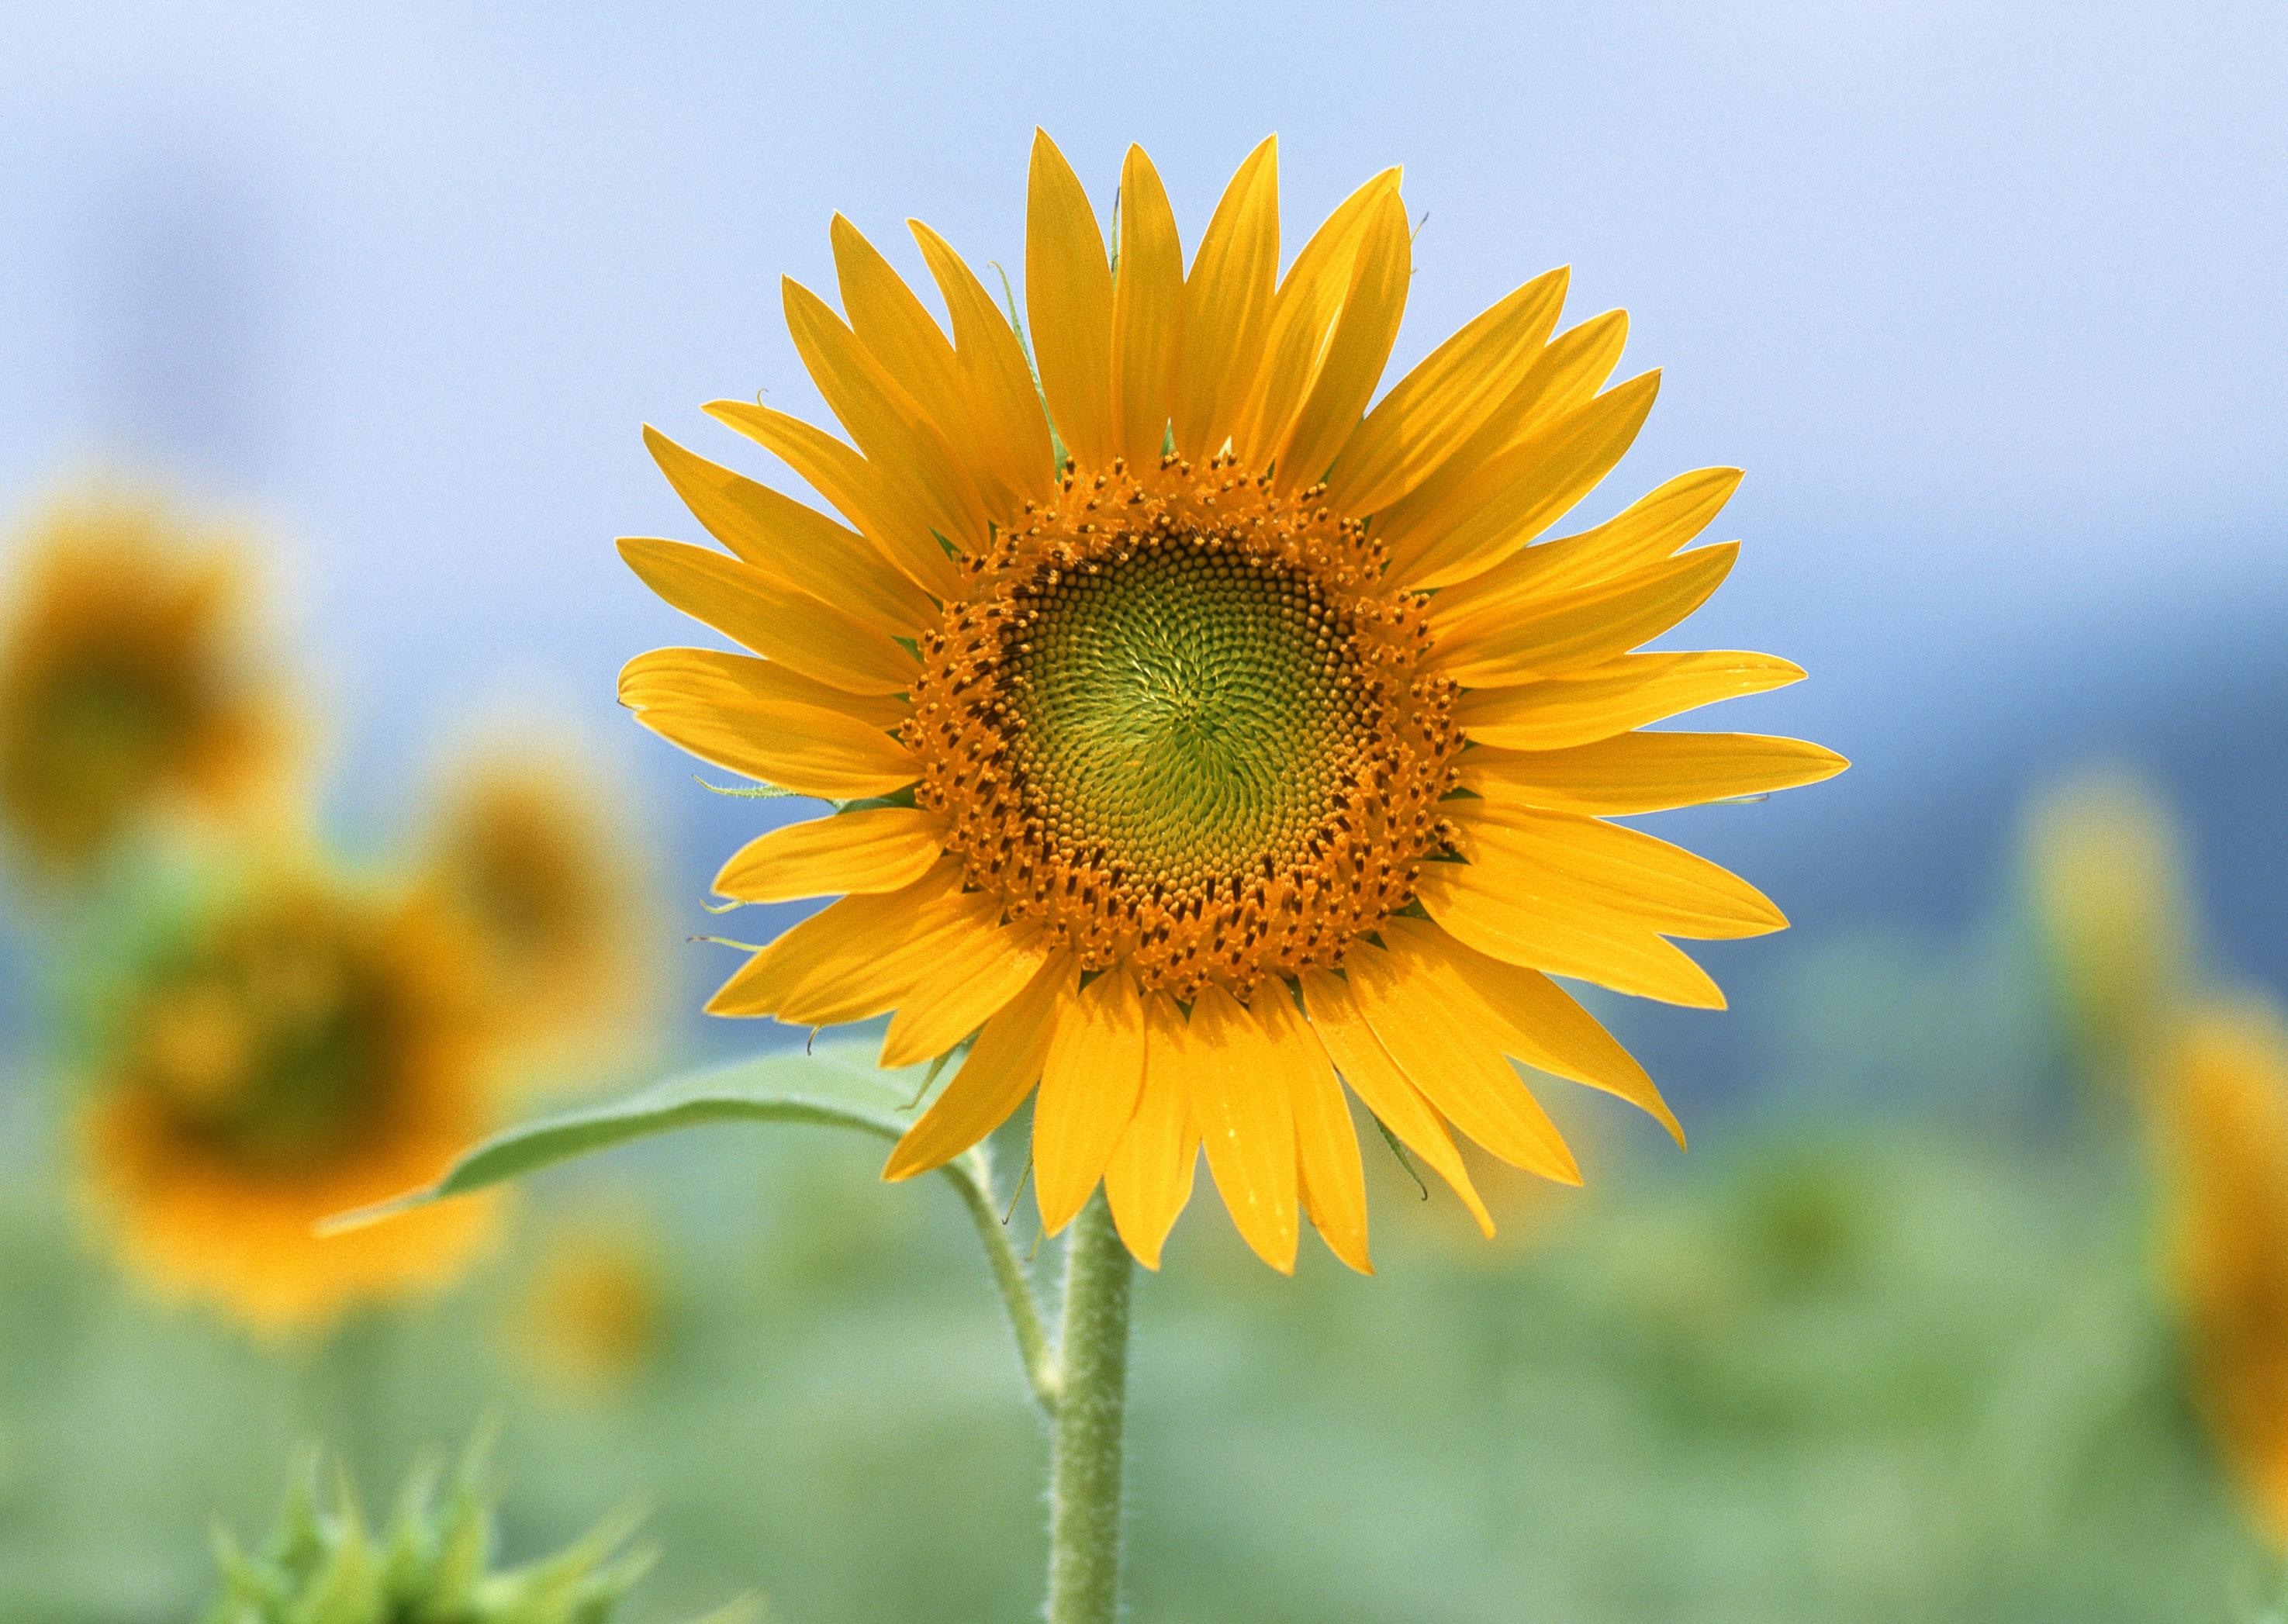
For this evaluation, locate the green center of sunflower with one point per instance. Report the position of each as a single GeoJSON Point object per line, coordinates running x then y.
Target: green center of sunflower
{"type": "Point", "coordinates": [1180, 725]}
{"type": "Point", "coordinates": [97, 731]}
{"type": "Point", "coordinates": [1189, 712]}
{"type": "Point", "coordinates": [267, 1055]}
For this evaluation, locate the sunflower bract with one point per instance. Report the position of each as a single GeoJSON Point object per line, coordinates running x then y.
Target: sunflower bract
{"type": "Point", "coordinates": [1196, 833]}
{"type": "Point", "coordinates": [433, 1561]}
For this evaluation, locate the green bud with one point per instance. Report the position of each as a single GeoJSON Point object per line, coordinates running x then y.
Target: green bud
{"type": "Point", "coordinates": [432, 1563]}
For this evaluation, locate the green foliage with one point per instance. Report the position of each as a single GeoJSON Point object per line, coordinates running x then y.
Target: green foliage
{"type": "Point", "coordinates": [1883, 1348]}
{"type": "Point", "coordinates": [433, 1565]}
{"type": "Point", "coordinates": [836, 1089]}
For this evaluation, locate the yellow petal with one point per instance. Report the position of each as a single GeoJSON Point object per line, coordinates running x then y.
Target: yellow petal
{"type": "Point", "coordinates": [874, 968]}
{"type": "Point", "coordinates": [1303, 314]}
{"type": "Point", "coordinates": [892, 324]}
{"type": "Point", "coordinates": [1247, 1123]}
{"type": "Point", "coordinates": [691, 679]}
{"type": "Point", "coordinates": [1563, 377]}
{"type": "Point", "coordinates": [1147, 308]}
{"type": "Point", "coordinates": [1089, 1090]}
{"type": "Point", "coordinates": [796, 747]}
{"type": "Point", "coordinates": [1653, 527]}
{"type": "Point", "coordinates": [1458, 1070]}
{"type": "Point", "coordinates": [859, 957]}
{"type": "Point", "coordinates": [884, 848]}
{"type": "Point", "coordinates": [887, 424]}
{"type": "Point", "coordinates": [861, 491]}
{"type": "Point", "coordinates": [751, 606]}
{"type": "Point", "coordinates": [1382, 1087]}
{"type": "Point", "coordinates": [1000, 1070]}
{"type": "Point", "coordinates": [1009, 425]}
{"type": "Point", "coordinates": [800, 546]}
{"type": "Point", "coordinates": [1442, 402]}
{"type": "Point", "coordinates": [1356, 352]}
{"type": "Point", "coordinates": [896, 329]}
{"type": "Point", "coordinates": [1481, 904]}
{"type": "Point", "coordinates": [1524, 491]}
{"type": "Point", "coordinates": [1548, 637]}
{"type": "Point", "coordinates": [1327, 1151]}
{"type": "Point", "coordinates": [1069, 298]}
{"type": "Point", "coordinates": [962, 993]}
{"type": "Point", "coordinates": [1605, 700]}
{"type": "Point", "coordinates": [1642, 772]}
{"type": "Point", "coordinates": [863, 944]}
{"type": "Point", "coordinates": [1584, 864]}
{"type": "Point", "coordinates": [1147, 1181]}
{"type": "Point", "coordinates": [1228, 308]}
{"type": "Point", "coordinates": [1536, 1022]}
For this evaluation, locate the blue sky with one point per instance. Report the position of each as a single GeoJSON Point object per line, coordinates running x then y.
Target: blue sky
{"type": "Point", "coordinates": [1987, 300]}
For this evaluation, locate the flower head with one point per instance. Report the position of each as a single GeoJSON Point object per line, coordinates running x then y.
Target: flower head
{"type": "Point", "coordinates": [287, 1050]}
{"type": "Point", "coordinates": [592, 1315]}
{"type": "Point", "coordinates": [529, 857]}
{"type": "Point", "coordinates": [1207, 735]}
{"type": "Point", "coordinates": [2106, 868]}
{"type": "Point", "coordinates": [2223, 1113]}
{"type": "Point", "coordinates": [127, 684]}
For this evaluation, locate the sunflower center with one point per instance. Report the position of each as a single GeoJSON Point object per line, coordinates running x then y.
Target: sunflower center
{"type": "Point", "coordinates": [1187, 710]}
{"type": "Point", "coordinates": [1177, 724]}
{"type": "Point", "coordinates": [266, 1053]}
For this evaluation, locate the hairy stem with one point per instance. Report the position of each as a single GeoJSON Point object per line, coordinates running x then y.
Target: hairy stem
{"type": "Point", "coordinates": [1084, 1463]}
{"type": "Point", "coordinates": [1016, 1292]}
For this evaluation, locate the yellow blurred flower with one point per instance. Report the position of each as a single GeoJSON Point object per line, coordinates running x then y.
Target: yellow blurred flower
{"type": "Point", "coordinates": [128, 681]}
{"type": "Point", "coordinates": [591, 1316]}
{"type": "Point", "coordinates": [2105, 866]}
{"type": "Point", "coordinates": [2224, 1123]}
{"type": "Point", "coordinates": [295, 1050]}
{"type": "Point", "coordinates": [530, 855]}
{"type": "Point", "coordinates": [1158, 703]}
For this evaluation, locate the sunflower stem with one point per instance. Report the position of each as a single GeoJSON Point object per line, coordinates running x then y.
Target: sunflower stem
{"type": "Point", "coordinates": [1092, 1408]}
{"type": "Point", "coordinates": [1016, 1290]}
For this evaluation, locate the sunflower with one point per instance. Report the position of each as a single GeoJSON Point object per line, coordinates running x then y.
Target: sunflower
{"type": "Point", "coordinates": [2105, 868]}
{"type": "Point", "coordinates": [127, 683]}
{"type": "Point", "coordinates": [289, 1051]}
{"type": "Point", "coordinates": [1205, 739]}
{"type": "Point", "coordinates": [2224, 1107]}
{"type": "Point", "coordinates": [594, 1314]}
{"type": "Point", "coordinates": [528, 855]}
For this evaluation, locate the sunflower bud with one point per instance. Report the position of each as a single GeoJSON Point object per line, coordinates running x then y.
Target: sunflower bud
{"type": "Point", "coordinates": [436, 1559]}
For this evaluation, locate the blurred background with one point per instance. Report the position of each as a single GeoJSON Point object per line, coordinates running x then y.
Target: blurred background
{"type": "Point", "coordinates": [1986, 301]}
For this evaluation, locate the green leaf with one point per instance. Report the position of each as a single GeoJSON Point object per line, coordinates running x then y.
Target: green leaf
{"type": "Point", "coordinates": [835, 1088]}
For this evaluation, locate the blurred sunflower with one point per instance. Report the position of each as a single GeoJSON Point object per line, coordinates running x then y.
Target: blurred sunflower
{"type": "Point", "coordinates": [2224, 1105]}
{"type": "Point", "coordinates": [1208, 735]}
{"type": "Point", "coordinates": [592, 1314]}
{"type": "Point", "coordinates": [289, 1051]}
{"type": "Point", "coordinates": [127, 679]}
{"type": "Point", "coordinates": [2105, 866]}
{"type": "Point", "coordinates": [529, 855]}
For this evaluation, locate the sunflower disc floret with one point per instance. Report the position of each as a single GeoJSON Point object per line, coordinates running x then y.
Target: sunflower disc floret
{"type": "Point", "coordinates": [1179, 726]}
